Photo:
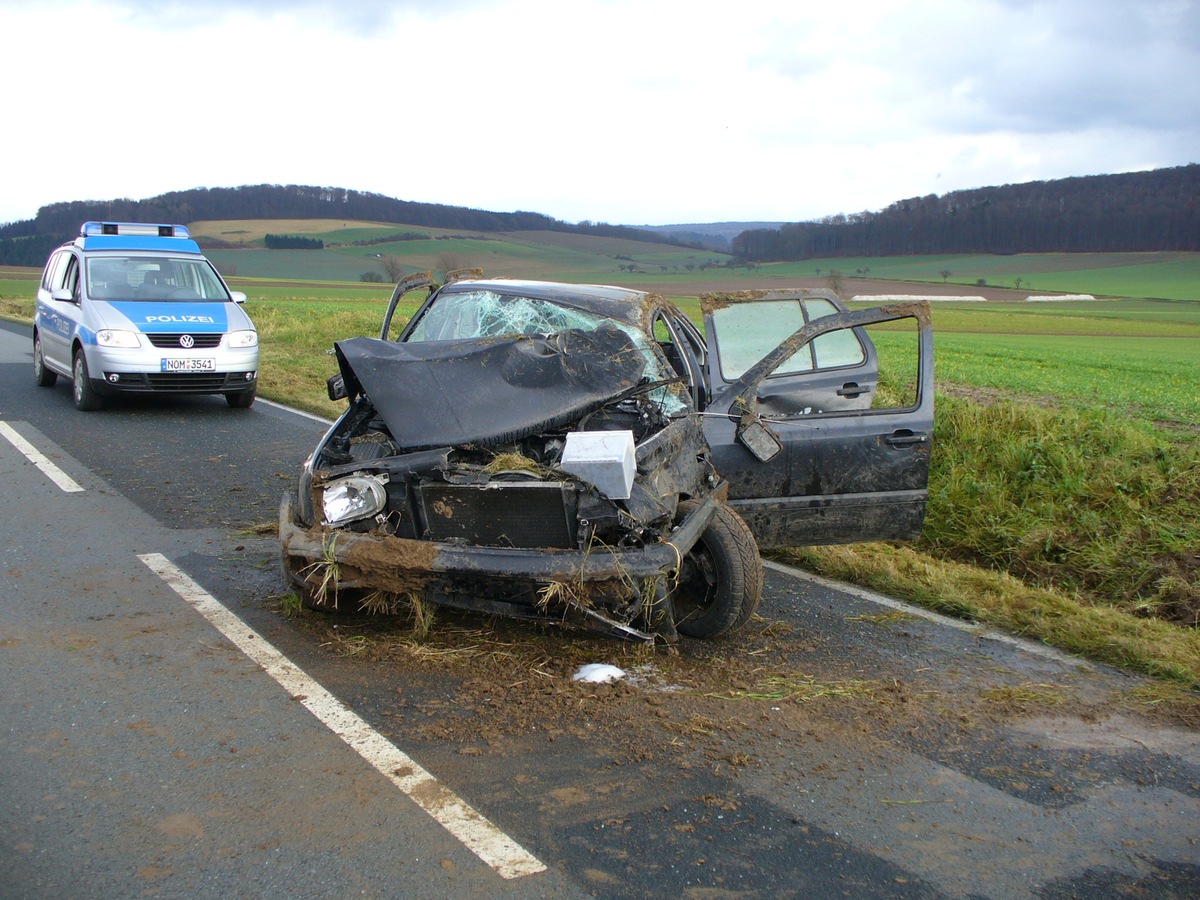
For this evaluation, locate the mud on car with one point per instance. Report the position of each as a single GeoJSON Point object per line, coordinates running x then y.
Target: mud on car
{"type": "Point", "coordinates": [583, 454]}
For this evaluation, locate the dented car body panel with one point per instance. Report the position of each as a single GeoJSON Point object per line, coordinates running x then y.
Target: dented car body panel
{"type": "Point", "coordinates": [559, 452]}
{"type": "Point", "coordinates": [845, 472]}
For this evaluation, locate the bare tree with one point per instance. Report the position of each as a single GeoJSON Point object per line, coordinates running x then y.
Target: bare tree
{"type": "Point", "coordinates": [448, 262]}
{"type": "Point", "coordinates": [835, 281]}
{"type": "Point", "coordinates": [945, 273]}
{"type": "Point", "coordinates": [393, 266]}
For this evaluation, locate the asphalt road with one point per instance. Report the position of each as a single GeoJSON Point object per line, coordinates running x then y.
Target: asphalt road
{"type": "Point", "coordinates": [158, 735]}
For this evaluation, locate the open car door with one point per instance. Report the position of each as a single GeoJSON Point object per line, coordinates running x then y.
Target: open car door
{"type": "Point", "coordinates": [824, 438]}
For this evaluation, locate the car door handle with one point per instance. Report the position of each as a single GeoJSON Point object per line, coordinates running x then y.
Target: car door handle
{"type": "Point", "coordinates": [851, 390]}
{"type": "Point", "coordinates": [906, 438]}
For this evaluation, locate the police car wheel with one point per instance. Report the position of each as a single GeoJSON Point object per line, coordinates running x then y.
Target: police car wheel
{"type": "Point", "coordinates": [43, 376]}
{"type": "Point", "coordinates": [241, 399]}
{"type": "Point", "coordinates": [86, 397]}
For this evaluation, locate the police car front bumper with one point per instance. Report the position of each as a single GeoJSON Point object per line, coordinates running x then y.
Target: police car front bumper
{"type": "Point", "coordinates": [148, 370]}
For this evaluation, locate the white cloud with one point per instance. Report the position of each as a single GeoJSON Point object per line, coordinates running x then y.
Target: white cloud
{"type": "Point", "coordinates": [621, 111]}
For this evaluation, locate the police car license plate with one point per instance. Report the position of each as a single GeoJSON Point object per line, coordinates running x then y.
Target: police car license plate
{"type": "Point", "coordinates": [189, 365]}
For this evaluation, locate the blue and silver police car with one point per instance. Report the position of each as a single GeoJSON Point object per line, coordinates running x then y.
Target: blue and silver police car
{"type": "Point", "coordinates": [136, 308]}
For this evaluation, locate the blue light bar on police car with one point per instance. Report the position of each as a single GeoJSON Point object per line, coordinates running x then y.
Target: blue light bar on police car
{"type": "Point", "coordinates": [92, 229]}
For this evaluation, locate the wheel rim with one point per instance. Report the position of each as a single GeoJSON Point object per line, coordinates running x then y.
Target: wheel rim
{"type": "Point", "coordinates": [79, 375]}
{"type": "Point", "coordinates": [696, 584]}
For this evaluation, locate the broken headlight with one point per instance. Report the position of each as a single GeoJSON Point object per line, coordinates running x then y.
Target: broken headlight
{"type": "Point", "coordinates": [352, 498]}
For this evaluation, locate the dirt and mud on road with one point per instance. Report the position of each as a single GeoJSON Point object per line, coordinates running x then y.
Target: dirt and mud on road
{"type": "Point", "coordinates": [774, 681]}
{"type": "Point", "coordinates": [941, 751]}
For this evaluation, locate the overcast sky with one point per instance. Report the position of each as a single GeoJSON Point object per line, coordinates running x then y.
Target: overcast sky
{"type": "Point", "coordinates": [620, 111]}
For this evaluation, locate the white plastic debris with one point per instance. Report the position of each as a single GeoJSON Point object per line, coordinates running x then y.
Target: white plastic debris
{"type": "Point", "coordinates": [605, 458]}
{"type": "Point", "coordinates": [598, 673]}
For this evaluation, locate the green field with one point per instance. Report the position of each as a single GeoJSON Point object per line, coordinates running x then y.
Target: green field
{"type": "Point", "coordinates": [1165, 276]}
{"type": "Point", "coordinates": [1135, 358]}
{"type": "Point", "coordinates": [350, 253]}
{"type": "Point", "coordinates": [1155, 380]}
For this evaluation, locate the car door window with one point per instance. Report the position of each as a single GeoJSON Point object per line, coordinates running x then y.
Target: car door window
{"type": "Point", "coordinates": [48, 272]}
{"type": "Point", "coordinates": [834, 371]}
{"type": "Point", "coordinates": [746, 332]}
{"type": "Point", "coordinates": [684, 351]}
{"type": "Point", "coordinates": [56, 271]}
{"type": "Point", "coordinates": [837, 349]}
{"type": "Point", "coordinates": [70, 275]}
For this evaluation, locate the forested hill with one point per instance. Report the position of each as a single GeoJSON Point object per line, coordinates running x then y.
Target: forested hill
{"type": "Point", "coordinates": [1140, 211]}
{"type": "Point", "coordinates": [29, 242]}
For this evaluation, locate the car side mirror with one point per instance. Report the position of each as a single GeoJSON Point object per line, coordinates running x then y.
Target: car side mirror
{"type": "Point", "coordinates": [62, 295]}
{"type": "Point", "coordinates": [238, 296]}
{"type": "Point", "coordinates": [336, 387]}
{"type": "Point", "coordinates": [758, 438]}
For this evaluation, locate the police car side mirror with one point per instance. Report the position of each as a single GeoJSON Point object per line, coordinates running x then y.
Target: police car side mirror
{"type": "Point", "coordinates": [238, 296]}
{"type": "Point", "coordinates": [62, 295]}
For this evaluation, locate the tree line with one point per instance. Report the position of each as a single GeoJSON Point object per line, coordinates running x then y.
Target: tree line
{"type": "Point", "coordinates": [292, 242]}
{"type": "Point", "coordinates": [29, 242]}
{"type": "Point", "coordinates": [1139, 211]}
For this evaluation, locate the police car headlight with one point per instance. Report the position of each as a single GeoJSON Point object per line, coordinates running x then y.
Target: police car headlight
{"type": "Point", "coordinates": [243, 339]}
{"type": "Point", "coordinates": [353, 498]}
{"type": "Point", "coordinates": [107, 337]}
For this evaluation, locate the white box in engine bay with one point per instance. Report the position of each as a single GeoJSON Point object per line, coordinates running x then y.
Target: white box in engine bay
{"type": "Point", "coordinates": [604, 458]}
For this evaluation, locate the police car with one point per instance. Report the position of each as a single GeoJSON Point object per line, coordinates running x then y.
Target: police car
{"type": "Point", "coordinates": [136, 308]}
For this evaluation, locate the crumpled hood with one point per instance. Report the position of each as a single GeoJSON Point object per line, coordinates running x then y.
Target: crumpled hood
{"type": "Point", "coordinates": [489, 390]}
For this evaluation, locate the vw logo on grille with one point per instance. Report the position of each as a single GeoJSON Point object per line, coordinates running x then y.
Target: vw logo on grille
{"type": "Point", "coordinates": [186, 341]}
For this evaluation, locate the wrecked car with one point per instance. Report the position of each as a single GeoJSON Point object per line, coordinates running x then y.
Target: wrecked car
{"type": "Point", "coordinates": [583, 454]}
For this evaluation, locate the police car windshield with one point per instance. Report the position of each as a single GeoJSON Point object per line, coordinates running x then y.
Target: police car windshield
{"type": "Point", "coordinates": [154, 278]}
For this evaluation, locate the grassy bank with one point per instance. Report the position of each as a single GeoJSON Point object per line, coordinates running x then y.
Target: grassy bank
{"type": "Point", "coordinates": [1077, 528]}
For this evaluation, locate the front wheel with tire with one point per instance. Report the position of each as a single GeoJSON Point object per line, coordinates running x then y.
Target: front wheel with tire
{"type": "Point", "coordinates": [85, 395]}
{"type": "Point", "coordinates": [721, 578]}
{"type": "Point", "coordinates": [43, 376]}
{"type": "Point", "coordinates": [241, 399]}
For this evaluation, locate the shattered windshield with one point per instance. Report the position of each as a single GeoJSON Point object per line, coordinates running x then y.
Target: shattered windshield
{"type": "Point", "coordinates": [477, 314]}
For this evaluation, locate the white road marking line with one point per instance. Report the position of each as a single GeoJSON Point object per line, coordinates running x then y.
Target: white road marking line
{"type": "Point", "coordinates": [299, 412]}
{"type": "Point", "coordinates": [480, 836]}
{"type": "Point", "coordinates": [1029, 646]}
{"type": "Point", "coordinates": [39, 459]}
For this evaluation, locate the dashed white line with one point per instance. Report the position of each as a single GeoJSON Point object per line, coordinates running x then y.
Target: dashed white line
{"type": "Point", "coordinates": [64, 481]}
{"type": "Point", "coordinates": [480, 836]}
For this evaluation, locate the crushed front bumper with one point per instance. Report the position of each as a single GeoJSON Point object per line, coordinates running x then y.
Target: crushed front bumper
{"type": "Point", "coordinates": [375, 562]}
{"type": "Point", "coordinates": [398, 559]}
